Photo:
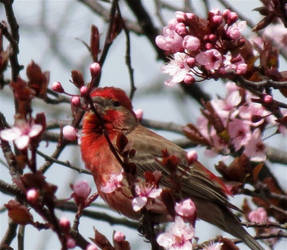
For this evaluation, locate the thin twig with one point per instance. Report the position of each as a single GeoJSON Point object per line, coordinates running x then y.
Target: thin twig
{"type": "Point", "coordinates": [9, 235]}
{"type": "Point", "coordinates": [128, 56]}
{"type": "Point", "coordinates": [63, 163]}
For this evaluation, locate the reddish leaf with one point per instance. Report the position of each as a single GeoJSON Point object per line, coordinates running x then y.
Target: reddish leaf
{"type": "Point", "coordinates": [77, 78]}
{"type": "Point", "coordinates": [95, 42]}
{"type": "Point", "coordinates": [38, 80]}
{"type": "Point", "coordinates": [102, 241]}
{"type": "Point", "coordinates": [18, 212]}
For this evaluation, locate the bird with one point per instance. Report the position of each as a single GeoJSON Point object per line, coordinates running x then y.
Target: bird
{"type": "Point", "coordinates": [110, 116]}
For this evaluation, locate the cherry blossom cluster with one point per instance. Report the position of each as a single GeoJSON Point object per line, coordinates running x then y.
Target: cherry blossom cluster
{"type": "Point", "coordinates": [236, 122]}
{"type": "Point", "coordinates": [201, 48]}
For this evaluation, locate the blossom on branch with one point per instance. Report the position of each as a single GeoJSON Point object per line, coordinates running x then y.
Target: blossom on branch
{"type": "Point", "coordinates": [202, 48]}
{"type": "Point", "coordinates": [21, 134]}
{"type": "Point", "coordinates": [178, 236]}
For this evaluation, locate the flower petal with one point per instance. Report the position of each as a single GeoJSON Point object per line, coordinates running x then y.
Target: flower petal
{"type": "Point", "coordinates": [35, 130]}
{"type": "Point", "coordinates": [22, 142]}
{"type": "Point", "coordinates": [10, 134]}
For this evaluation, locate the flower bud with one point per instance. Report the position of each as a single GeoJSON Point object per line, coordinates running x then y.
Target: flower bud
{"type": "Point", "coordinates": [190, 61]}
{"type": "Point", "coordinates": [57, 87]}
{"type": "Point", "coordinates": [71, 243]}
{"type": "Point", "coordinates": [95, 69]}
{"type": "Point", "coordinates": [188, 79]}
{"type": "Point", "coordinates": [191, 43]}
{"type": "Point", "coordinates": [32, 195]}
{"type": "Point", "coordinates": [65, 224]}
{"type": "Point", "coordinates": [84, 90]}
{"type": "Point", "coordinates": [181, 29]}
{"type": "Point", "coordinates": [69, 133]}
{"type": "Point", "coordinates": [180, 16]}
{"type": "Point", "coordinates": [267, 99]}
{"type": "Point", "coordinates": [92, 247]}
{"type": "Point", "coordinates": [76, 101]}
{"type": "Point", "coordinates": [119, 236]}
{"type": "Point", "coordinates": [82, 189]}
{"type": "Point", "coordinates": [217, 20]}
{"type": "Point", "coordinates": [191, 156]}
{"type": "Point", "coordinates": [139, 114]}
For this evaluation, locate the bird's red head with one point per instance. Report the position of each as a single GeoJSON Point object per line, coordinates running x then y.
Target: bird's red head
{"type": "Point", "coordinates": [114, 94]}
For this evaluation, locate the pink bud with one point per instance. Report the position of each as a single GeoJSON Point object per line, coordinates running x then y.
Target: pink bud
{"type": "Point", "coordinates": [180, 16]}
{"type": "Point", "coordinates": [226, 13]}
{"type": "Point", "coordinates": [268, 99]}
{"type": "Point", "coordinates": [190, 62]}
{"type": "Point", "coordinates": [65, 224]}
{"type": "Point", "coordinates": [76, 101]}
{"type": "Point", "coordinates": [69, 133]}
{"type": "Point", "coordinates": [57, 87]}
{"type": "Point", "coordinates": [181, 29]}
{"type": "Point", "coordinates": [208, 46]}
{"type": "Point", "coordinates": [82, 189]}
{"type": "Point", "coordinates": [241, 69]}
{"type": "Point", "coordinates": [92, 247]}
{"type": "Point", "coordinates": [95, 69]}
{"type": "Point", "coordinates": [191, 43]}
{"type": "Point", "coordinates": [71, 243]}
{"type": "Point", "coordinates": [139, 114]}
{"type": "Point", "coordinates": [119, 236]}
{"type": "Point", "coordinates": [188, 79]}
{"type": "Point", "coordinates": [212, 37]}
{"type": "Point", "coordinates": [189, 16]}
{"type": "Point", "coordinates": [233, 17]}
{"type": "Point", "coordinates": [258, 216]}
{"type": "Point", "coordinates": [84, 90]}
{"type": "Point", "coordinates": [32, 195]}
{"type": "Point", "coordinates": [191, 156]}
{"type": "Point", "coordinates": [217, 20]}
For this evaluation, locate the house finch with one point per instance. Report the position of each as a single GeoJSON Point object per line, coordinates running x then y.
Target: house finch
{"type": "Point", "coordinates": [112, 115]}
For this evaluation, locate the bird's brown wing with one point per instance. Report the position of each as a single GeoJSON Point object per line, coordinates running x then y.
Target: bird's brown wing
{"type": "Point", "coordinates": [196, 181]}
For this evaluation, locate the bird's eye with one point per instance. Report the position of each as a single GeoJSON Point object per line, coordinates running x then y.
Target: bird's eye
{"type": "Point", "coordinates": [116, 104]}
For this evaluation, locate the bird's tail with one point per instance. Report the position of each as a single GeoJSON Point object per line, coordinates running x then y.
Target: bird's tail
{"type": "Point", "coordinates": [232, 225]}
{"type": "Point", "coordinates": [223, 218]}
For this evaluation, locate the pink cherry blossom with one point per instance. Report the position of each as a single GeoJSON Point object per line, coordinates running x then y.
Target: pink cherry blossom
{"type": "Point", "coordinates": [178, 236]}
{"type": "Point", "coordinates": [254, 113]}
{"type": "Point", "coordinates": [186, 208]}
{"type": "Point", "coordinates": [170, 40]}
{"type": "Point", "coordinates": [21, 133]}
{"type": "Point", "coordinates": [254, 148]}
{"type": "Point", "coordinates": [213, 246]}
{"type": "Point", "coordinates": [177, 68]}
{"type": "Point", "coordinates": [258, 216]}
{"type": "Point", "coordinates": [210, 59]}
{"type": "Point", "coordinates": [113, 183]}
{"type": "Point", "coordinates": [145, 191]}
{"type": "Point", "coordinates": [239, 132]}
